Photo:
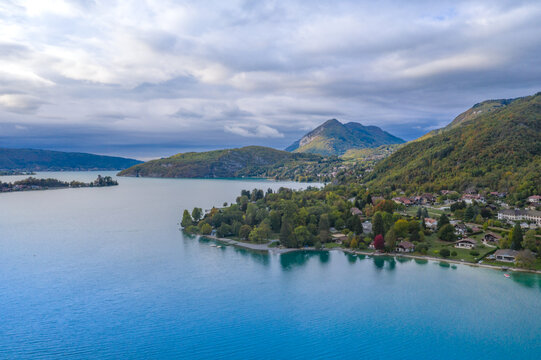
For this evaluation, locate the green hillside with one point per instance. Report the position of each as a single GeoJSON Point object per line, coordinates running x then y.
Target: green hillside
{"type": "Point", "coordinates": [498, 150]}
{"type": "Point", "coordinates": [335, 138]}
{"type": "Point", "coordinates": [250, 161]}
{"type": "Point", "coordinates": [47, 160]}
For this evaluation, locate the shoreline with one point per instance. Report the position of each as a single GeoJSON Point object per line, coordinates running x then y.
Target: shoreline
{"type": "Point", "coordinates": [278, 250]}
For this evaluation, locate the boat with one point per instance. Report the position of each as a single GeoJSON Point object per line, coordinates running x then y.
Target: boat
{"type": "Point", "coordinates": [219, 246]}
{"type": "Point", "coordinates": [506, 275]}
{"type": "Point", "coordinates": [212, 245]}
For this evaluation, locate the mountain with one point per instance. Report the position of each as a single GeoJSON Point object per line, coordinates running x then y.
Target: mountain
{"type": "Point", "coordinates": [335, 138]}
{"type": "Point", "coordinates": [472, 113]}
{"type": "Point", "coordinates": [250, 161]}
{"type": "Point", "coordinates": [496, 145]}
{"type": "Point", "coordinates": [47, 160]}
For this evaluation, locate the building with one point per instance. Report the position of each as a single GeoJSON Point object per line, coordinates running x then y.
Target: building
{"type": "Point", "coordinates": [461, 229]}
{"type": "Point", "coordinates": [520, 215]}
{"type": "Point", "coordinates": [339, 238]}
{"type": "Point", "coordinates": [403, 200]}
{"type": "Point", "coordinates": [470, 198]}
{"type": "Point", "coordinates": [506, 255]}
{"type": "Point", "coordinates": [465, 243]}
{"type": "Point", "coordinates": [405, 246]}
{"type": "Point", "coordinates": [367, 227]}
{"type": "Point", "coordinates": [431, 223]}
{"type": "Point", "coordinates": [534, 199]}
{"type": "Point", "coordinates": [355, 211]}
{"type": "Point", "coordinates": [491, 238]}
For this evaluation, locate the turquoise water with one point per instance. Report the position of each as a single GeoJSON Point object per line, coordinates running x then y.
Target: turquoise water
{"type": "Point", "coordinates": [105, 273]}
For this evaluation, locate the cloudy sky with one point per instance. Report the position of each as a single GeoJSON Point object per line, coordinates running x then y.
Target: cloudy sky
{"type": "Point", "coordinates": [149, 78]}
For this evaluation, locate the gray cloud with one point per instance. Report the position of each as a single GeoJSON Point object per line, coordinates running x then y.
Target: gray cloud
{"type": "Point", "coordinates": [175, 75]}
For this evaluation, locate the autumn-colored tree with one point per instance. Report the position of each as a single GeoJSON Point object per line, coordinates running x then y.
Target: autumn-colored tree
{"type": "Point", "coordinates": [379, 243]}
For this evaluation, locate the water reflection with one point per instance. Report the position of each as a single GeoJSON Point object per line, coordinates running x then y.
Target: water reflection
{"type": "Point", "coordinates": [295, 259]}
{"type": "Point", "coordinates": [421, 261]}
{"type": "Point", "coordinates": [260, 257]}
{"type": "Point", "coordinates": [380, 261]}
{"type": "Point", "coordinates": [526, 279]}
{"type": "Point", "coordinates": [403, 260]}
{"type": "Point", "coordinates": [352, 258]}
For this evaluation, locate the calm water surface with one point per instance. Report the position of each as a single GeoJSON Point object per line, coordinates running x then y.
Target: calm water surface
{"type": "Point", "coordinates": [105, 273]}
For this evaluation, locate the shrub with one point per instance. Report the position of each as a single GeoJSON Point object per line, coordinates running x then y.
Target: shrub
{"type": "Point", "coordinates": [474, 253]}
{"type": "Point", "coordinates": [454, 253]}
{"type": "Point", "coordinates": [445, 253]}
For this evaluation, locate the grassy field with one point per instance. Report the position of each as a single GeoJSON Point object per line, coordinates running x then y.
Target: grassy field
{"type": "Point", "coordinates": [433, 213]}
{"type": "Point", "coordinates": [435, 246]}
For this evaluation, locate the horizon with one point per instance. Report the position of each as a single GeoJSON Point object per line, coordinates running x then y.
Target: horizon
{"type": "Point", "coordinates": [150, 80]}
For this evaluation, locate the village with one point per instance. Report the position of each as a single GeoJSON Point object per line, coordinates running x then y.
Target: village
{"type": "Point", "coordinates": [482, 228]}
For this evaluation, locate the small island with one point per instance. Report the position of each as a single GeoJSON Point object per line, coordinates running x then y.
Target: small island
{"type": "Point", "coordinates": [15, 172]}
{"type": "Point", "coordinates": [32, 183]}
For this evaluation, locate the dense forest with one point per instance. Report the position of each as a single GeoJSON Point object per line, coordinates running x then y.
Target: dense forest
{"type": "Point", "coordinates": [250, 161]}
{"type": "Point", "coordinates": [47, 160]}
{"type": "Point", "coordinates": [497, 151]}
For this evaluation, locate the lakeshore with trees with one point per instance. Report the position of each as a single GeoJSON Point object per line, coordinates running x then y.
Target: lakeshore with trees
{"type": "Point", "coordinates": [338, 215]}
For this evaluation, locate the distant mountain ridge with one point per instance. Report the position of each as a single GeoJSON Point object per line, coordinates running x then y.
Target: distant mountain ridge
{"type": "Point", "coordinates": [495, 145]}
{"type": "Point", "coordinates": [49, 160]}
{"type": "Point", "coordinates": [249, 161]}
{"type": "Point", "coordinates": [335, 138]}
{"type": "Point", "coordinates": [471, 114]}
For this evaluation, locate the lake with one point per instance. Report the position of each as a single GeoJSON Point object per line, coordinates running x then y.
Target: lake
{"type": "Point", "coordinates": [105, 273]}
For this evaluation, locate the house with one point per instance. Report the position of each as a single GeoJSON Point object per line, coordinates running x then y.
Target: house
{"type": "Point", "coordinates": [367, 227]}
{"type": "Point", "coordinates": [405, 246]}
{"type": "Point", "coordinates": [506, 255]}
{"type": "Point", "coordinates": [470, 198]}
{"type": "Point", "coordinates": [403, 200]}
{"type": "Point", "coordinates": [431, 223]}
{"type": "Point", "coordinates": [534, 199]}
{"type": "Point", "coordinates": [465, 243]}
{"type": "Point", "coordinates": [339, 238]}
{"type": "Point", "coordinates": [461, 229]}
{"type": "Point", "coordinates": [491, 238]}
{"type": "Point", "coordinates": [355, 211]}
{"type": "Point", "coordinates": [513, 215]}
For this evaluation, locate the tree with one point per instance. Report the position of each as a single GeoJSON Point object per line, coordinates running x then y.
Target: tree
{"type": "Point", "coordinates": [196, 214]}
{"type": "Point", "coordinates": [302, 235]}
{"type": "Point", "coordinates": [379, 243]}
{"type": "Point", "coordinates": [445, 252]}
{"type": "Point", "coordinates": [323, 228]}
{"type": "Point", "coordinates": [354, 243]}
{"type": "Point", "coordinates": [387, 221]}
{"type": "Point", "coordinates": [186, 219]}
{"type": "Point", "coordinates": [260, 233]}
{"type": "Point", "coordinates": [390, 240]}
{"type": "Point", "coordinates": [205, 229]}
{"type": "Point", "coordinates": [525, 259]}
{"type": "Point", "coordinates": [286, 234]}
{"type": "Point", "coordinates": [469, 214]}
{"type": "Point", "coordinates": [401, 228]}
{"type": "Point", "coordinates": [447, 233]}
{"type": "Point", "coordinates": [444, 220]}
{"type": "Point", "coordinates": [415, 236]}
{"type": "Point", "coordinates": [530, 241]}
{"type": "Point", "coordinates": [516, 239]}
{"type": "Point", "coordinates": [223, 230]}
{"type": "Point", "coordinates": [377, 224]}
{"type": "Point", "coordinates": [244, 231]}
{"type": "Point", "coordinates": [275, 220]}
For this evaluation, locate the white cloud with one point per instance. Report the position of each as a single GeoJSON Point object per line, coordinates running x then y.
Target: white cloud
{"type": "Point", "coordinates": [260, 131]}
{"type": "Point", "coordinates": [262, 69]}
